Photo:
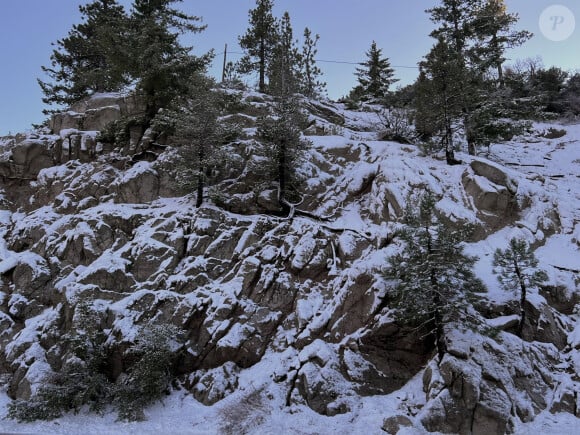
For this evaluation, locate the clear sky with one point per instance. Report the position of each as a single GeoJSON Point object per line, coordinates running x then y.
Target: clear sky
{"type": "Point", "coordinates": [346, 28]}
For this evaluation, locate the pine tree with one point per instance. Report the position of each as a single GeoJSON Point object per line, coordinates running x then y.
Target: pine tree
{"type": "Point", "coordinates": [161, 65]}
{"type": "Point", "coordinates": [432, 277]}
{"type": "Point", "coordinates": [92, 58]}
{"type": "Point", "coordinates": [477, 32]}
{"type": "Point", "coordinates": [284, 146]}
{"type": "Point", "coordinates": [376, 76]}
{"type": "Point", "coordinates": [455, 20]}
{"type": "Point", "coordinates": [516, 267]}
{"type": "Point", "coordinates": [259, 41]}
{"type": "Point", "coordinates": [284, 68]}
{"type": "Point", "coordinates": [494, 33]}
{"type": "Point", "coordinates": [198, 134]}
{"type": "Point", "coordinates": [456, 31]}
{"type": "Point", "coordinates": [311, 86]}
{"type": "Point", "coordinates": [440, 96]}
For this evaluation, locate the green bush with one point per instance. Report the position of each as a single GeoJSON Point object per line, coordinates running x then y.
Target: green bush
{"type": "Point", "coordinates": [82, 379]}
{"type": "Point", "coordinates": [149, 379]}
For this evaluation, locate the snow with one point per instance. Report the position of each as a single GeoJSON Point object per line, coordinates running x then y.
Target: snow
{"type": "Point", "coordinates": [353, 162]}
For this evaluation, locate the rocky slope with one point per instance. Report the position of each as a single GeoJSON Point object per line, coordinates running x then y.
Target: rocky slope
{"type": "Point", "coordinates": [289, 314]}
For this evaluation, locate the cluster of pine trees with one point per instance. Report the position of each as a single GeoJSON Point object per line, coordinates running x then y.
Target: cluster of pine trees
{"type": "Point", "coordinates": [463, 85]}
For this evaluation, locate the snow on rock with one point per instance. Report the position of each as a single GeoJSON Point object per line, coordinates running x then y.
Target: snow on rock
{"type": "Point", "coordinates": [285, 323]}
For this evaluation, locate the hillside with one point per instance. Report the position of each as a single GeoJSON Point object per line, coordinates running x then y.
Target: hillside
{"type": "Point", "coordinates": [285, 322]}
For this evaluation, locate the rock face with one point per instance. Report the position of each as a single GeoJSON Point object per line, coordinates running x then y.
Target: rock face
{"type": "Point", "coordinates": [96, 112]}
{"type": "Point", "coordinates": [493, 192]}
{"type": "Point", "coordinates": [300, 303]}
{"type": "Point", "coordinates": [482, 385]}
{"type": "Point", "coordinates": [28, 158]}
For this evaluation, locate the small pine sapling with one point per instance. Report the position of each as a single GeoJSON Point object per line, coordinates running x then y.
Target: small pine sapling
{"type": "Point", "coordinates": [517, 270]}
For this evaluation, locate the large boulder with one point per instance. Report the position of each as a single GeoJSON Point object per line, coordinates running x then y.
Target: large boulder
{"type": "Point", "coordinates": [27, 159]}
{"type": "Point", "coordinates": [140, 184]}
{"type": "Point", "coordinates": [481, 385]}
{"type": "Point", "coordinates": [96, 112]}
{"type": "Point", "coordinates": [493, 192]}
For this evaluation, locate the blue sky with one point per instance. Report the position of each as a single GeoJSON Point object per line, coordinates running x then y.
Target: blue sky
{"type": "Point", "coordinates": [346, 28]}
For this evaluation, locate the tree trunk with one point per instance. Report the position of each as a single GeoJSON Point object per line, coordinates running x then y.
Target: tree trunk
{"type": "Point", "coordinates": [436, 300]}
{"type": "Point", "coordinates": [522, 299]}
{"type": "Point", "coordinates": [282, 179]}
{"type": "Point", "coordinates": [262, 84]}
{"type": "Point", "coordinates": [500, 75]}
{"type": "Point", "coordinates": [199, 200]}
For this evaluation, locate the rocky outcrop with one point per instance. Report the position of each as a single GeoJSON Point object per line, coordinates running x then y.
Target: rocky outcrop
{"type": "Point", "coordinates": [493, 192]}
{"type": "Point", "coordinates": [96, 112]}
{"type": "Point", "coordinates": [28, 158]}
{"type": "Point", "coordinates": [482, 385]}
{"type": "Point", "coordinates": [302, 300]}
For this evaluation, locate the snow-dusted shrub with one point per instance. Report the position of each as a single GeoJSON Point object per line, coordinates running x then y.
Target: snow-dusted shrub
{"type": "Point", "coordinates": [81, 379]}
{"type": "Point", "coordinates": [517, 270]}
{"type": "Point", "coordinates": [395, 125]}
{"type": "Point", "coordinates": [553, 133]}
{"type": "Point", "coordinates": [149, 378]}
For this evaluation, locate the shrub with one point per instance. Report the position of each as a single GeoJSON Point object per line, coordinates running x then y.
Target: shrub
{"type": "Point", "coordinates": [149, 378]}
{"type": "Point", "coordinates": [82, 379]}
{"type": "Point", "coordinates": [395, 126]}
{"type": "Point", "coordinates": [553, 133]}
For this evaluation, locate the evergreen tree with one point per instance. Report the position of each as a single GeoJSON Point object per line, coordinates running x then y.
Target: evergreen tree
{"type": "Point", "coordinates": [516, 267]}
{"type": "Point", "coordinates": [440, 96]}
{"type": "Point", "coordinates": [284, 69]}
{"type": "Point", "coordinates": [571, 95]}
{"type": "Point", "coordinates": [376, 76]}
{"type": "Point", "coordinates": [456, 31]}
{"type": "Point", "coordinates": [311, 86]}
{"type": "Point", "coordinates": [432, 276]}
{"type": "Point", "coordinates": [150, 377]}
{"type": "Point", "coordinates": [284, 147]}
{"type": "Point", "coordinates": [198, 134]}
{"type": "Point", "coordinates": [477, 33]}
{"type": "Point", "coordinates": [455, 20]}
{"type": "Point", "coordinates": [259, 41]}
{"type": "Point", "coordinates": [92, 58]}
{"type": "Point", "coordinates": [494, 33]}
{"type": "Point", "coordinates": [549, 85]}
{"type": "Point", "coordinates": [161, 65]}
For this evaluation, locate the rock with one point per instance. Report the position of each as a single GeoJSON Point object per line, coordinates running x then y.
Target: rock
{"type": "Point", "coordinates": [566, 398]}
{"type": "Point", "coordinates": [494, 173]}
{"type": "Point", "coordinates": [393, 424]}
{"type": "Point", "coordinates": [480, 394]}
{"type": "Point", "coordinates": [463, 380]}
{"type": "Point", "coordinates": [325, 112]}
{"type": "Point", "coordinates": [488, 196]}
{"type": "Point", "coordinates": [321, 387]}
{"type": "Point", "coordinates": [395, 355]}
{"type": "Point", "coordinates": [216, 384]}
{"type": "Point", "coordinates": [30, 276]}
{"type": "Point", "coordinates": [545, 325]}
{"type": "Point", "coordinates": [140, 184]}
{"type": "Point", "coordinates": [29, 158]}
{"type": "Point", "coordinates": [492, 414]}
{"type": "Point", "coordinates": [560, 298]}
{"type": "Point", "coordinates": [267, 200]}
{"type": "Point", "coordinates": [96, 112]}
{"type": "Point", "coordinates": [65, 121]}
{"type": "Point", "coordinates": [98, 119]}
